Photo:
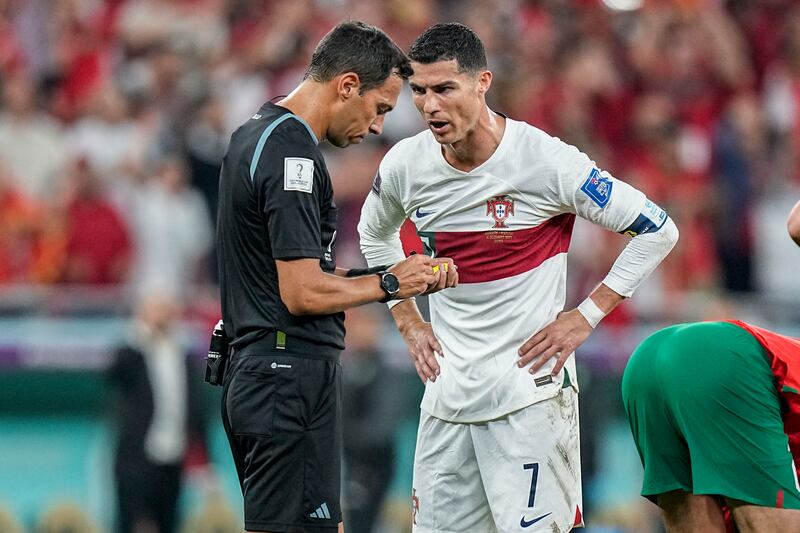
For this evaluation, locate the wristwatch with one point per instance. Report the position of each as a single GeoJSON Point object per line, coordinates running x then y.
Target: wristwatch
{"type": "Point", "coordinates": [390, 285]}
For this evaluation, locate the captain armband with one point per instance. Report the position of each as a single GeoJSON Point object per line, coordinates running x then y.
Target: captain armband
{"type": "Point", "coordinates": [650, 220]}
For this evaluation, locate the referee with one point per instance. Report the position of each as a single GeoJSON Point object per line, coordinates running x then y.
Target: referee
{"type": "Point", "coordinates": [282, 294]}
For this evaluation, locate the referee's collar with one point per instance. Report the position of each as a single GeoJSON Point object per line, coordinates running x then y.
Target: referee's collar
{"type": "Point", "coordinates": [299, 119]}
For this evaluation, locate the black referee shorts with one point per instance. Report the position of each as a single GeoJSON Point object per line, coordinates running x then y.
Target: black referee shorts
{"type": "Point", "coordinates": [282, 415]}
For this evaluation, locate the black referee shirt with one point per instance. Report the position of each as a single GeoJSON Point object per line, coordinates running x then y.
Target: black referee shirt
{"type": "Point", "coordinates": [275, 202]}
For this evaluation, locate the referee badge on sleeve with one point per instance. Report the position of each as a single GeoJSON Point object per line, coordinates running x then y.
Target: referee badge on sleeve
{"type": "Point", "coordinates": [298, 174]}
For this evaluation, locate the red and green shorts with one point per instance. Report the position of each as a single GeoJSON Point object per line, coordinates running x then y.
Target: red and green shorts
{"type": "Point", "coordinates": [706, 416]}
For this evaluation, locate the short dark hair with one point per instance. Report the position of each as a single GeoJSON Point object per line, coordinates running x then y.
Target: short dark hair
{"type": "Point", "coordinates": [357, 47]}
{"type": "Point", "coordinates": [446, 41]}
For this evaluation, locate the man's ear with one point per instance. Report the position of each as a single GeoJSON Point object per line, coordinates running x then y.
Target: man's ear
{"type": "Point", "coordinates": [348, 85]}
{"type": "Point", "coordinates": [484, 81]}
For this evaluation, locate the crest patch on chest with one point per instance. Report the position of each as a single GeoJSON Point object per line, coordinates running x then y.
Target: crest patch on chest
{"type": "Point", "coordinates": [500, 208]}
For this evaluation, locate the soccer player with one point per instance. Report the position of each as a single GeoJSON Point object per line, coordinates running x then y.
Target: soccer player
{"type": "Point", "coordinates": [497, 446]}
{"type": "Point", "coordinates": [715, 413]}
{"type": "Point", "coordinates": [282, 293]}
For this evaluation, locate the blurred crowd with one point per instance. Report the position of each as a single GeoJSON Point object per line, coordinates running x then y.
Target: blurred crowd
{"type": "Point", "coordinates": [116, 113]}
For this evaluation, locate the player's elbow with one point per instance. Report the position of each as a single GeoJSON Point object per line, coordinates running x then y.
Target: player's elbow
{"type": "Point", "coordinates": [366, 238]}
{"type": "Point", "coordinates": [794, 232]}
{"type": "Point", "coordinates": [670, 234]}
{"type": "Point", "coordinates": [793, 224]}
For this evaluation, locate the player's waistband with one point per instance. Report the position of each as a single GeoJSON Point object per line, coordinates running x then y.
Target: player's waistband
{"type": "Point", "coordinates": [278, 342]}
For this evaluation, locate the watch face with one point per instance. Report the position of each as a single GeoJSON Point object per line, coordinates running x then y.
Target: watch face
{"type": "Point", "coordinates": [390, 283]}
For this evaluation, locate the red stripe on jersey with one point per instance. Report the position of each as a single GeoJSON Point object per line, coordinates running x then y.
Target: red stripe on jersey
{"type": "Point", "coordinates": [779, 500]}
{"type": "Point", "coordinates": [491, 255]}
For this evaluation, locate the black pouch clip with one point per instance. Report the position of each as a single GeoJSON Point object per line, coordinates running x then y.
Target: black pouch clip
{"type": "Point", "coordinates": [217, 359]}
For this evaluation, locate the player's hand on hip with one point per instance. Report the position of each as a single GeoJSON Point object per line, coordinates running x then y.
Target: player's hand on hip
{"type": "Point", "coordinates": [558, 339]}
{"type": "Point", "coordinates": [447, 274]}
{"type": "Point", "coordinates": [415, 275]}
{"type": "Point", "coordinates": [423, 346]}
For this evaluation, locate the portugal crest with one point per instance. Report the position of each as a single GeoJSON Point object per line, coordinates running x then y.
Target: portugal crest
{"type": "Point", "coordinates": [500, 208]}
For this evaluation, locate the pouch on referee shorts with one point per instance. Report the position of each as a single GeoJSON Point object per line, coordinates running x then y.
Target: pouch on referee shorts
{"type": "Point", "coordinates": [217, 359]}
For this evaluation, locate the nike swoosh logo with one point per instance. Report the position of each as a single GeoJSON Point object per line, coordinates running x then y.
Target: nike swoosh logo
{"type": "Point", "coordinates": [421, 214]}
{"type": "Point", "coordinates": [529, 523]}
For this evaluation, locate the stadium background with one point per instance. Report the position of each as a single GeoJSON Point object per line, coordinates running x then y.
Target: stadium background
{"type": "Point", "coordinates": [114, 118]}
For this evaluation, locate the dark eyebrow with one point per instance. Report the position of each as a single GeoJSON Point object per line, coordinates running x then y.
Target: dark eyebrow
{"type": "Point", "coordinates": [434, 87]}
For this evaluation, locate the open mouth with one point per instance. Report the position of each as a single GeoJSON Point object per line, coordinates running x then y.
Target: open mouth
{"type": "Point", "coordinates": [438, 126]}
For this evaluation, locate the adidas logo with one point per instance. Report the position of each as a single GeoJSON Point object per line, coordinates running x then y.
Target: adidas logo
{"type": "Point", "coordinates": [321, 512]}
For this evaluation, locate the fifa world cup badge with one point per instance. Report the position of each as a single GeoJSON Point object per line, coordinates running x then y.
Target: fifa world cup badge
{"type": "Point", "coordinates": [500, 208]}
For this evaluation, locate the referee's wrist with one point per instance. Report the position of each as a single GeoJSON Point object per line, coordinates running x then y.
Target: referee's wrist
{"type": "Point", "coordinates": [389, 284]}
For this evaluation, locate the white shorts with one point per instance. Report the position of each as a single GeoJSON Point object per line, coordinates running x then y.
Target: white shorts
{"type": "Point", "coordinates": [518, 473]}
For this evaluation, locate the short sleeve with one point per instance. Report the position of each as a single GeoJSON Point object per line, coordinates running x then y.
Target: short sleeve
{"type": "Point", "coordinates": [290, 180]}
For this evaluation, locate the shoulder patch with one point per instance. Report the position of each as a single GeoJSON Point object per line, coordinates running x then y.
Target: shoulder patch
{"type": "Point", "coordinates": [597, 187]}
{"type": "Point", "coordinates": [298, 174]}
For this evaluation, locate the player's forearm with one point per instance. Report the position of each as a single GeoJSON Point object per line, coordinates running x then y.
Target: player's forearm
{"type": "Point", "coordinates": [640, 258]}
{"type": "Point", "coordinates": [597, 305]}
{"type": "Point", "coordinates": [405, 314]}
{"type": "Point", "coordinates": [605, 298]}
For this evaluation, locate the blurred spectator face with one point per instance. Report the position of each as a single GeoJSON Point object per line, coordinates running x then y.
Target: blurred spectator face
{"type": "Point", "coordinates": [113, 106]}
{"type": "Point", "coordinates": [173, 174]}
{"type": "Point", "coordinates": [591, 69]}
{"type": "Point", "coordinates": [213, 112]}
{"type": "Point", "coordinates": [745, 111]}
{"type": "Point", "coordinates": [653, 118]}
{"type": "Point", "coordinates": [362, 114]}
{"type": "Point", "coordinates": [449, 101]}
{"type": "Point", "coordinates": [81, 181]}
{"type": "Point", "coordinates": [18, 95]}
{"type": "Point", "coordinates": [157, 310]}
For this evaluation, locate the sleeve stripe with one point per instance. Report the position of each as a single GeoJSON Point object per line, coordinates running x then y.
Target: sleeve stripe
{"type": "Point", "coordinates": [267, 132]}
{"type": "Point", "coordinates": [262, 141]}
{"type": "Point", "coordinates": [310, 131]}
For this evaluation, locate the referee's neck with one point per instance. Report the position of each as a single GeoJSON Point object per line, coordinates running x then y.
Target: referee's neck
{"type": "Point", "coordinates": [311, 101]}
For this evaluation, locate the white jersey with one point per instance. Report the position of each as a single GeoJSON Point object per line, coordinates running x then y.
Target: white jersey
{"type": "Point", "coordinates": [507, 225]}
